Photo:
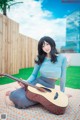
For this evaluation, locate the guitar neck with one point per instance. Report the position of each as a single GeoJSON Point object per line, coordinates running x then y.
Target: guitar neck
{"type": "Point", "coordinates": [19, 80]}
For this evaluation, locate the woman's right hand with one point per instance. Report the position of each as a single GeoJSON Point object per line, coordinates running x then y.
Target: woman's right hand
{"type": "Point", "coordinates": [21, 84]}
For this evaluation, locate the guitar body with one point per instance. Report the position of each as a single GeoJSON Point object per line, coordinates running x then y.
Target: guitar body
{"type": "Point", "coordinates": [53, 100]}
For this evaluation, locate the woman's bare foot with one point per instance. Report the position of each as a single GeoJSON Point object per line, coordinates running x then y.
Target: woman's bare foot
{"type": "Point", "coordinates": [69, 95]}
{"type": "Point", "coordinates": [8, 93]}
{"type": "Point", "coordinates": [7, 100]}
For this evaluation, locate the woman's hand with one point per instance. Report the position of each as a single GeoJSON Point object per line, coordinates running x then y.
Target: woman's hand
{"type": "Point", "coordinates": [21, 84]}
{"type": "Point", "coordinates": [69, 95]}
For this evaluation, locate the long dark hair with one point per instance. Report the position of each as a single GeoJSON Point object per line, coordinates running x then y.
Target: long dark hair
{"type": "Point", "coordinates": [41, 54]}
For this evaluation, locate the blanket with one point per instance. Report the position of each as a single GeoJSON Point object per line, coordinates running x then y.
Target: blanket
{"type": "Point", "coordinates": [38, 112]}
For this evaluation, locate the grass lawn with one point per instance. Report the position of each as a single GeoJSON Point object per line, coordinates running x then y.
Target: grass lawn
{"type": "Point", "coordinates": [73, 76]}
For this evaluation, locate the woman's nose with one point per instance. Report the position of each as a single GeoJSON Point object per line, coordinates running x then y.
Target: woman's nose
{"type": "Point", "coordinates": [46, 46]}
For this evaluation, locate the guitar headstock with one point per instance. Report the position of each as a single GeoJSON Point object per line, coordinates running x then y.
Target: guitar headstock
{"type": "Point", "coordinates": [2, 74]}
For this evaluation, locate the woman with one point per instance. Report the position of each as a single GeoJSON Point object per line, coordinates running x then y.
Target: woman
{"type": "Point", "coordinates": [52, 66]}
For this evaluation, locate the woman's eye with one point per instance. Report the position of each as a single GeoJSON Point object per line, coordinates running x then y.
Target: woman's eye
{"type": "Point", "coordinates": [47, 44]}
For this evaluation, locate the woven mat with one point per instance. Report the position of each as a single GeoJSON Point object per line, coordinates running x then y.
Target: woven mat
{"type": "Point", "coordinates": [38, 112]}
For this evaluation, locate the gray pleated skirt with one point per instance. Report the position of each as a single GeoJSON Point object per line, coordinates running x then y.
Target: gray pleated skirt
{"type": "Point", "coordinates": [19, 97]}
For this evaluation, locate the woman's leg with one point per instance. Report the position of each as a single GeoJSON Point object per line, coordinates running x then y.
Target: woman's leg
{"type": "Point", "coordinates": [20, 99]}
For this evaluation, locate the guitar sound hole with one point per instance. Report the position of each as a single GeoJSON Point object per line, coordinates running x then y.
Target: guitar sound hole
{"type": "Point", "coordinates": [56, 96]}
{"type": "Point", "coordinates": [46, 89]}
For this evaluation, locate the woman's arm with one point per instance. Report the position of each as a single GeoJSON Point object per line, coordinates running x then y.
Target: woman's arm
{"type": "Point", "coordinates": [63, 75]}
{"type": "Point", "coordinates": [34, 74]}
{"type": "Point", "coordinates": [32, 77]}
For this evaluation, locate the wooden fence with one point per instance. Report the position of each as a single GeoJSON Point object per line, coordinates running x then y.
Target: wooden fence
{"type": "Point", "coordinates": [16, 50]}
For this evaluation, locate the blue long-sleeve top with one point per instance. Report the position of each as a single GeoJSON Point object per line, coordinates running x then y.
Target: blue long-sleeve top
{"type": "Point", "coordinates": [51, 70]}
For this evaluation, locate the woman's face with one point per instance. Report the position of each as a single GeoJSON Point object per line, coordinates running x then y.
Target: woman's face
{"type": "Point", "coordinates": [46, 47]}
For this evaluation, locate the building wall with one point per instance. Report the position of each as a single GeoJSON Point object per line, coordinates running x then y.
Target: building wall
{"type": "Point", "coordinates": [73, 59]}
{"type": "Point", "coordinates": [73, 31]}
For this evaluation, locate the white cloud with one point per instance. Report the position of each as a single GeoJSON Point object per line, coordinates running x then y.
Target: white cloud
{"type": "Point", "coordinates": [35, 22]}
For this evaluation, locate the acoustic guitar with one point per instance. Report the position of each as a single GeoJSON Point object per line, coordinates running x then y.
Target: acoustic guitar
{"type": "Point", "coordinates": [53, 100]}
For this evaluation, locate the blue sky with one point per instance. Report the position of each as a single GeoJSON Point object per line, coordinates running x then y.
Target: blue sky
{"type": "Point", "coordinates": [58, 8]}
{"type": "Point", "coordinates": [38, 18]}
